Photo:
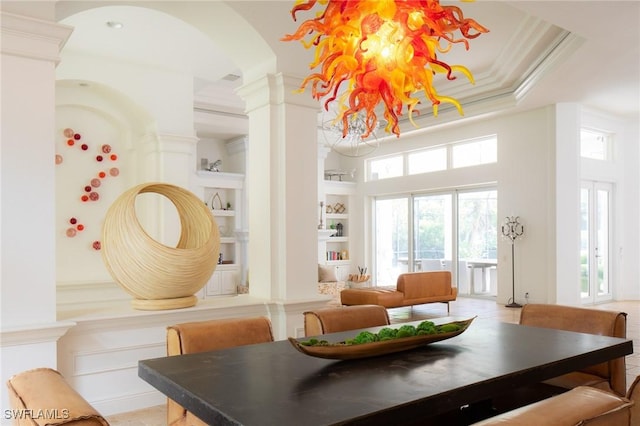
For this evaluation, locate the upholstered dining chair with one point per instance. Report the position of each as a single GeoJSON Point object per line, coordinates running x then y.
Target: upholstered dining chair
{"type": "Point", "coordinates": [581, 405]}
{"type": "Point", "coordinates": [633, 394]}
{"type": "Point", "coordinates": [342, 318]}
{"type": "Point", "coordinates": [211, 335]}
{"type": "Point", "coordinates": [44, 390]}
{"type": "Point", "coordinates": [609, 376]}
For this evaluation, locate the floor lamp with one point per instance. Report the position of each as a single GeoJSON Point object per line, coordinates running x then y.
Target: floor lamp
{"type": "Point", "coordinates": [512, 229]}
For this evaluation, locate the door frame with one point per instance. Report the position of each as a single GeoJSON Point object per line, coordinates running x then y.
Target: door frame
{"type": "Point", "coordinates": [593, 186]}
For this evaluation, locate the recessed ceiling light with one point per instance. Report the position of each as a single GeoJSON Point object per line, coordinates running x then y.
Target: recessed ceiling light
{"type": "Point", "coordinates": [115, 24]}
{"type": "Point", "coordinates": [231, 77]}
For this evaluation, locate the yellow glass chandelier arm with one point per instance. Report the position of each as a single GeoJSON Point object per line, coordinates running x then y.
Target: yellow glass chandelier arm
{"type": "Point", "coordinates": [464, 70]}
{"type": "Point", "coordinates": [450, 100]}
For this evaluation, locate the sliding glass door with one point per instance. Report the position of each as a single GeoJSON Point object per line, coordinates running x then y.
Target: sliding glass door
{"type": "Point", "coordinates": [432, 231]}
{"type": "Point", "coordinates": [455, 231]}
{"type": "Point", "coordinates": [477, 242]}
{"type": "Point", "coordinates": [391, 239]}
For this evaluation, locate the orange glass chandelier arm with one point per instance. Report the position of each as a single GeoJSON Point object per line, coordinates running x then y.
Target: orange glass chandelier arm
{"type": "Point", "coordinates": [382, 52]}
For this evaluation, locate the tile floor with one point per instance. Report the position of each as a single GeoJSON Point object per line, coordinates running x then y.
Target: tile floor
{"type": "Point", "coordinates": [464, 307]}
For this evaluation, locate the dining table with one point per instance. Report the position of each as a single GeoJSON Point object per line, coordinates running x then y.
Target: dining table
{"type": "Point", "coordinates": [275, 384]}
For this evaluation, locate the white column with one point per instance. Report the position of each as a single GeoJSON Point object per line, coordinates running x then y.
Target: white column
{"type": "Point", "coordinates": [282, 183]}
{"type": "Point", "coordinates": [30, 52]}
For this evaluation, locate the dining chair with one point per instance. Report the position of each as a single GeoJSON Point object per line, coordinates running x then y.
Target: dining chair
{"type": "Point", "coordinates": [582, 405]}
{"type": "Point", "coordinates": [45, 393]}
{"type": "Point", "coordinates": [201, 336]}
{"type": "Point", "coordinates": [633, 394]}
{"type": "Point", "coordinates": [342, 318]}
{"type": "Point", "coordinates": [609, 376]}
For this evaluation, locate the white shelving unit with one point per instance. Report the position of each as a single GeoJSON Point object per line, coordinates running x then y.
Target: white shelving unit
{"type": "Point", "coordinates": [223, 194]}
{"type": "Point", "coordinates": [334, 246]}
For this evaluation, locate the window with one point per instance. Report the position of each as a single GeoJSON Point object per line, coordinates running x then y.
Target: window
{"type": "Point", "coordinates": [453, 155]}
{"type": "Point", "coordinates": [430, 160]}
{"type": "Point", "coordinates": [473, 153]}
{"type": "Point", "coordinates": [387, 167]}
{"type": "Point", "coordinates": [595, 144]}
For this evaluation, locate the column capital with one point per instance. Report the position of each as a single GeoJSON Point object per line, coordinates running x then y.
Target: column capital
{"type": "Point", "coordinates": [33, 38]}
{"type": "Point", "coordinates": [275, 89]}
{"type": "Point", "coordinates": [176, 143]}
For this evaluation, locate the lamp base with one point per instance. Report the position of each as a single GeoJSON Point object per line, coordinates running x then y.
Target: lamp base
{"type": "Point", "coordinates": [513, 305]}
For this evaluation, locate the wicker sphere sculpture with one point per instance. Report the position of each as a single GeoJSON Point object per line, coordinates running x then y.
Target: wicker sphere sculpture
{"type": "Point", "coordinates": [156, 275]}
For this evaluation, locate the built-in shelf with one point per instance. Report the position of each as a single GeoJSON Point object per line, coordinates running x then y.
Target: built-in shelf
{"type": "Point", "coordinates": [222, 192]}
{"type": "Point", "coordinates": [333, 240]}
{"type": "Point", "coordinates": [337, 216]}
{"type": "Point", "coordinates": [223, 213]}
{"type": "Point", "coordinates": [338, 239]}
{"type": "Point", "coordinates": [338, 262]}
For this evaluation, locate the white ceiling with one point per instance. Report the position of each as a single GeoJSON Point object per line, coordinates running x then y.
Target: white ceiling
{"type": "Point", "coordinates": [536, 53]}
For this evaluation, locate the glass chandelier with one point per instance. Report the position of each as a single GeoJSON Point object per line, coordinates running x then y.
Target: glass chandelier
{"type": "Point", "coordinates": [381, 52]}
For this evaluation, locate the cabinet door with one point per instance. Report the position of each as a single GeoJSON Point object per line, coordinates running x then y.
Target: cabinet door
{"type": "Point", "coordinates": [214, 286]}
{"type": "Point", "coordinates": [229, 282]}
{"type": "Point", "coordinates": [222, 282]}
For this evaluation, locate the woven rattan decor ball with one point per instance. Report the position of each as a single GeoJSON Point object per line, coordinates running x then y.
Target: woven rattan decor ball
{"type": "Point", "coordinates": [156, 275]}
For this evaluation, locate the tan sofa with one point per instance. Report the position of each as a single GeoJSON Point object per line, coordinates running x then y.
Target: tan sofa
{"type": "Point", "coordinates": [412, 288]}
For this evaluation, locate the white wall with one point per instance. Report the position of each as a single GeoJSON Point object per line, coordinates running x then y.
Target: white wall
{"type": "Point", "coordinates": [567, 211]}
{"type": "Point", "coordinates": [630, 210]}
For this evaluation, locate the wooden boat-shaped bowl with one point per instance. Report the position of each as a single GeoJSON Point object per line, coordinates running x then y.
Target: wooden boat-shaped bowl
{"type": "Point", "coordinates": [343, 351]}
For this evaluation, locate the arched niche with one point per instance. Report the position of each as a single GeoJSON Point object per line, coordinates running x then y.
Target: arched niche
{"type": "Point", "coordinates": [102, 162]}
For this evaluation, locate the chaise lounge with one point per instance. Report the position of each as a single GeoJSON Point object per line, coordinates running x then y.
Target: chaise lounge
{"type": "Point", "coordinates": [412, 288]}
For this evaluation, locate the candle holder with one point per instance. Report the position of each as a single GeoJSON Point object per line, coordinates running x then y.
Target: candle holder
{"type": "Point", "coordinates": [512, 229]}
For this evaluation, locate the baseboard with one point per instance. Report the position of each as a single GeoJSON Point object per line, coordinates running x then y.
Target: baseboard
{"type": "Point", "coordinates": [124, 404]}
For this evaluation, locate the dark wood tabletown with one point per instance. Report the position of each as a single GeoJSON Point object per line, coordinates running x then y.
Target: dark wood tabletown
{"type": "Point", "coordinates": [274, 384]}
